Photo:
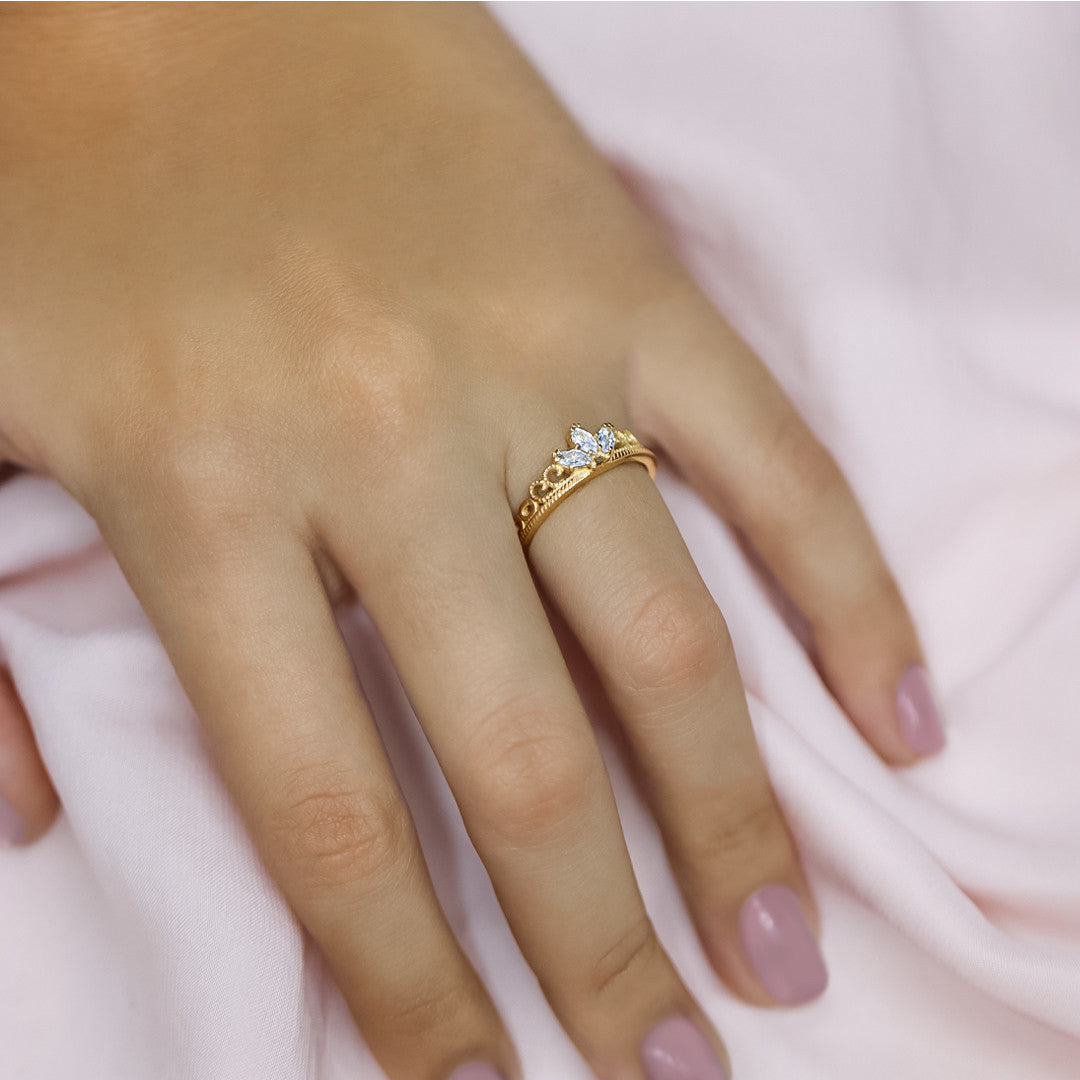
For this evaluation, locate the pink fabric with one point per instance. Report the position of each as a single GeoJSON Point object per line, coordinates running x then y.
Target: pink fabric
{"type": "Point", "coordinates": [884, 200]}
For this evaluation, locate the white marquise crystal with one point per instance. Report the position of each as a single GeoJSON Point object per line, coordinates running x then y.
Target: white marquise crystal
{"type": "Point", "coordinates": [587, 446]}
{"type": "Point", "coordinates": [573, 458]}
{"type": "Point", "coordinates": [584, 440]}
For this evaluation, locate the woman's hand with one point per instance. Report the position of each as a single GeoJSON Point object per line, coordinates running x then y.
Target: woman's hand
{"type": "Point", "coordinates": [297, 298]}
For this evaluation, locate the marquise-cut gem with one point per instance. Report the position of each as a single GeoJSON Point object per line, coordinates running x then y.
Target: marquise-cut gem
{"type": "Point", "coordinates": [572, 458]}
{"type": "Point", "coordinates": [584, 440]}
{"type": "Point", "coordinates": [606, 438]}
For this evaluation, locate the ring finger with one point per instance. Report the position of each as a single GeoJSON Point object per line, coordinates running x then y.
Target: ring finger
{"type": "Point", "coordinates": [662, 650]}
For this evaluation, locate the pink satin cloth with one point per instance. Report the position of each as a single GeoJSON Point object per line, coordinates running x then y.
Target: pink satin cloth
{"type": "Point", "coordinates": [885, 200]}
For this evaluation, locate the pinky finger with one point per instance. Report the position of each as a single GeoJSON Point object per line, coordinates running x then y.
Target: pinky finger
{"type": "Point", "coordinates": [28, 800]}
{"type": "Point", "coordinates": [741, 443]}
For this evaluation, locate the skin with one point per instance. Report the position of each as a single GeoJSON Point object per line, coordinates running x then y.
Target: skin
{"type": "Point", "coordinates": [334, 280]}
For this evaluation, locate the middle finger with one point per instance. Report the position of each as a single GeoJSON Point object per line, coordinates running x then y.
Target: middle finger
{"type": "Point", "coordinates": [461, 617]}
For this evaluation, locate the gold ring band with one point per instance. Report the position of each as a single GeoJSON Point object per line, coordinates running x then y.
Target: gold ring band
{"type": "Point", "coordinates": [587, 455]}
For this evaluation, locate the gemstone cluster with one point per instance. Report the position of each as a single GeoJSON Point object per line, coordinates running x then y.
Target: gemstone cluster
{"type": "Point", "coordinates": [588, 448]}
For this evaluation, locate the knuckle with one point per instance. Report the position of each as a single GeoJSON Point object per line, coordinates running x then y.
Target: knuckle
{"type": "Point", "coordinates": [385, 400]}
{"type": "Point", "coordinates": [627, 959]}
{"type": "Point", "coordinates": [382, 377]}
{"type": "Point", "coordinates": [798, 474]}
{"type": "Point", "coordinates": [676, 638]}
{"type": "Point", "coordinates": [336, 834]}
{"type": "Point", "coordinates": [533, 778]}
{"type": "Point", "coordinates": [199, 465]}
{"type": "Point", "coordinates": [427, 1012]}
{"type": "Point", "coordinates": [740, 825]}
{"type": "Point", "coordinates": [203, 478]}
{"type": "Point", "coordinates": [368, 360]}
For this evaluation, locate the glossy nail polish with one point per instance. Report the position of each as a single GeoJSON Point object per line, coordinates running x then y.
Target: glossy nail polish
{"type": "Point", "coordinates": [478, 1070]}
{"type": "Point", "coordinates": [780, 946]}
{"type": "Point", "coordinates": [676, 1050]}
{"type": "Point", "coordinates": [11, 826]}
{"type": "Point", "coordinates": [917, 713]}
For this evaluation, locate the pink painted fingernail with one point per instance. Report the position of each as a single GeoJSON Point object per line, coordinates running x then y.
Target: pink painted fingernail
{"type": "Point", "coordinates": [478, 1070]}
{"type": "Point", "coordinates": [676, 1050]}
{"type": "Point", "coordinates": [11, 826]}
{"type": "Point", "coordinates": [780, 946]}
{"type": "Point", "coordinates": [920, 721]}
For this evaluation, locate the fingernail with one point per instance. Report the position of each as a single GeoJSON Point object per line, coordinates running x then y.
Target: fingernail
{"type": "Point", "coordinates": [676, 1050]}
{"type": "Point", "coordinates": [780, 947]}
{"type": "Point", "coordinates": [920, 723]}
{"type": "Point", "coordinates": [478, 1070]}
{"type": "Point", "coordinates": [11, 826]}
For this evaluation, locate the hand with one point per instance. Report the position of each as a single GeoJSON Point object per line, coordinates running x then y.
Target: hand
{"type": "Point", "coordinates": [334, 281]}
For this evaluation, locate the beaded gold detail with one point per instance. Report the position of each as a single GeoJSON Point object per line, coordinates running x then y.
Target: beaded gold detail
{"type": "Point", "coordinates": [587, 455]}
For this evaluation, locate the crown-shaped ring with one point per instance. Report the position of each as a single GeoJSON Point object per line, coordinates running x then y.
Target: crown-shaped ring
{"type": "Point", "coordinates": [586, 455]}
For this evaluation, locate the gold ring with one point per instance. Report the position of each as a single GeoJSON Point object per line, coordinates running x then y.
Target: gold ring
{"type": "Point", "coordinates": [587, 455]}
